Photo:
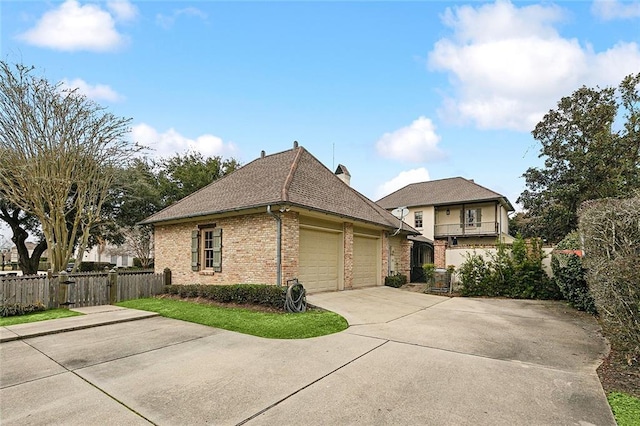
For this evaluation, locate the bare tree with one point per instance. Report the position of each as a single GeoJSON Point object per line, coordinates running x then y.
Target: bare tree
{"type": "Point", "coordinates": [140, 243]}
{"type": "Point", "coordinates": [58, 156]}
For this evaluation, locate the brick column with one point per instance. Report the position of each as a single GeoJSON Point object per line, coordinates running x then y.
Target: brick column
{"type": "Point", "coordinates": [405, 258]}
{"type": "Point", "coordinates": [290, 246]}
{"type": "Point", "coordinates": [440, 253]}
{"type": "Point", "coordinates": [348, 254]}
{"type": "Point", "coordinates": [385, 255]}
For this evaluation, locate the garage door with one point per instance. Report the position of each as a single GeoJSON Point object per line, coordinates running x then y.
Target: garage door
{"type": "Point", "coordinates": [365, 261]}
{"type": "Point", "coordinates": [319, 260]}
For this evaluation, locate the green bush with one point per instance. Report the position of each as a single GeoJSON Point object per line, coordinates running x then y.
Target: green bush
{"type": "Point", "coordinates": [253, 294]}
{"type": "Point", "coordinates": [10, 310]}
{"type": "Point", "coordinates": [395, 280]}
{"type": "Point", "coordinates": [474, 276]}
{"type": "Point", "coordinates": [137, 263]}
{"type": "Point", "coordinates": [94, 266]}
{"type": "Point", "coordinates": [514, 272]}
{"type": "Point", "coordinates": [429, 272]}
{"type": "Point", "coordinates": [569, 274]}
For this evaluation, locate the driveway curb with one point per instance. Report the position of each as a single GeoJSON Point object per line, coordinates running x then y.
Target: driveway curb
{"type": "Point", "coordinates": [94, 316]}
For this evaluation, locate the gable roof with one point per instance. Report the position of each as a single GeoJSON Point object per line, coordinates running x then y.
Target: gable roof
{"type": "Point", "coordinates": [454, 190]}
{"type": "Point", "coordinates": [293, 177]}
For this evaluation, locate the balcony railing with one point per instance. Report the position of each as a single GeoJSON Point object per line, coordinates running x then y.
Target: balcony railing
{"type": "Point", "coordinates": [458, 230]}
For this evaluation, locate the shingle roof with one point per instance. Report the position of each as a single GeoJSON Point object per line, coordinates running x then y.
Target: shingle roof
{"type": "Point", "coordinates": [293, 177]}
{"type": "Point", "coordinates": [454, 190]}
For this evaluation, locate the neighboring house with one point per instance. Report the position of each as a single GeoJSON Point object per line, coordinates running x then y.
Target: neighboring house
{"type": "Point", "coordinates": [280, 217]}
{"type": "Point", "coordinates": [451, 212]}
{"type": "Point", "coordinates": [117, 256]}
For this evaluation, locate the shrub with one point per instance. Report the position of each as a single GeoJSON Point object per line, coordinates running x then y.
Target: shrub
{"type": "Point", "coordinates": [611, 257]}
{"type": "Point", "coordinates": [569, 274]}
{"type": "Point", "coordinates": [253, 294]}
{"type": "Point", "coordinates": [474, 276]}
{"type": "Point", "coordinates": [515, 272]}
{"type": "Point", "coordinates": [395, 280]}
{"type": "Point", "coordinates": [11, 310]}
{"type": "Point", "coordinates": [94, 266]}
{"type": "Point", "coordinates": [429, 272]}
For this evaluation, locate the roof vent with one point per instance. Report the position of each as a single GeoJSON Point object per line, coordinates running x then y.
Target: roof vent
{"type": "Point", "coordinates": [262, 154]}
{"type": "Point", "coordinates": [343, 174]}
{"type": "Point", "coordinates": [295, 144]}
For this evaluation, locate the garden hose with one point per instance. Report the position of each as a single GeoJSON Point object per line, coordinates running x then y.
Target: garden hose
{"type": "Point", "coordinates": [296, 300]}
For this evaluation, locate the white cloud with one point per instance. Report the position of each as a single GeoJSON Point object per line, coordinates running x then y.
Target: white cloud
{"type": "Point", "coordinates": [171, 142]}
{"type": "Point", "coordinates": [509, 65]}
{"type": "Point", "coordinates": [402, 180]}
{"type": "Point", "coordinates": [96, 92]}
{"type": "Point", "coordinates": [414, 143]}
{"type": "Point", "coordinates": [122, 9]}
{"type": "Point", "coordinates": [614, 9]}
{"type": "Point", "coordinates": [72, 27]}
{"type": "Point", "coordinates": [167, 21]}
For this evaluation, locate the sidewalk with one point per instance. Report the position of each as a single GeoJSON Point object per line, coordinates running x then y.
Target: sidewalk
{"type": "Point", "coordinates": [94, 316]}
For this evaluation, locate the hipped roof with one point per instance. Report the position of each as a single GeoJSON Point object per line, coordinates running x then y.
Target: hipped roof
{"type": "Point", "coordinates": [455, 190]}
{"type": "Point", "coordinates": [295, 178]}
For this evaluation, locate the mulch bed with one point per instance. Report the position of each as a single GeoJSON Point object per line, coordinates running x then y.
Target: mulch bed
{"type": "Point", "coordinates": [620, 372]}
{"type": "Point", "coordinates": [205, 301]}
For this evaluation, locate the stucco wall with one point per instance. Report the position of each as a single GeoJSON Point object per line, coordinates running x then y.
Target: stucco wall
{"type": "Point", "coordinates": [457, 256]}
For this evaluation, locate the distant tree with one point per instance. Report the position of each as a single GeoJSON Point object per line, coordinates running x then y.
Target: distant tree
{"type": "Point", "coordinates": [591, 150]}
{"type": "Point", "coordinates": [22, 226]}
{"type": "Point", "coordinates": [521, 223]}
{"type": "Point", "coordinates": [145, 187]}
{"type": "Point", "coordinates": [59, 153]}
{"type": "Point", "coordinates": [182, 175]}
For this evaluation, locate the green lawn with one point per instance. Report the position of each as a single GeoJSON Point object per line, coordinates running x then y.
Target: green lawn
{"type": "Point", "coordinates": [37, 316]}
{"type": "Point", "coordinates": [271, 325]}
{"type": "Point", "coordinates": [625, 408]}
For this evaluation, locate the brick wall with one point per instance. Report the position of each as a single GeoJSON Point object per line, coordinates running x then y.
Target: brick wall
{"type": "Point", "coordinates": [385, 256]}
{"type": "Point", "coordinates": [248, 250]}
{"type": "Point", "coordinates": [405, 258]}
{"type": "Point", "coordinates": [347, 230]}
{"type": "Point", "coordinates": [440, 253]}
{"type": "Point", "coordinates": [290, 245]}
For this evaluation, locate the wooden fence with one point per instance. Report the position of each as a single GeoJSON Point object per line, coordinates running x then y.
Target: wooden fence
{"type": "Point", "coordinates": [82, 289]}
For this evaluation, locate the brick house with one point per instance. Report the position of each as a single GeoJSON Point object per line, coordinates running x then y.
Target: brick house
{"type": "Point", "coordinates": [449, 213]}
{"type": "Point", "coordinates": [279, 217]}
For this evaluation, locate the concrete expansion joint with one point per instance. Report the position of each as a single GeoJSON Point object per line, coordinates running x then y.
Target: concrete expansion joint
{"type": "Point", "coordinates": [264, 410]}
{"type": "Point", "coordinates": [74, 372]}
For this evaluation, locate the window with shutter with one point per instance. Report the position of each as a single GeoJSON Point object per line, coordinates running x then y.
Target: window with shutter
{"type": "Point", "coordinates": [211, 243]}
{"type": "Point", "coordinates": [473, 218]}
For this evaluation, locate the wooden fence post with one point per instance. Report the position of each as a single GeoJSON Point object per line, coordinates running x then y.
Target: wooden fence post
{"type": "Point", "coordinates": [63, 290]}
{"type": "Point", "coordinates": [113, 286]}
{"type": "Point", "coordinates": [53, 291]}
{"type": "Point", "coordinates": [167, 276]}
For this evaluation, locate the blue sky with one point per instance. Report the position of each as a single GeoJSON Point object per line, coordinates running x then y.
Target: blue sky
{"type": "Point", "coordinates": [398, 92]}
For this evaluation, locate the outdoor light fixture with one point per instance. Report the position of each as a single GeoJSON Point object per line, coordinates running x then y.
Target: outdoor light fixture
{"type": "Point", "coordinates": [448, 212]}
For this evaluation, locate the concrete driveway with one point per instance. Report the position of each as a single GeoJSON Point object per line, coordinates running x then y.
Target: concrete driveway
{"type": "Point", "coordinates": [407, 358]}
